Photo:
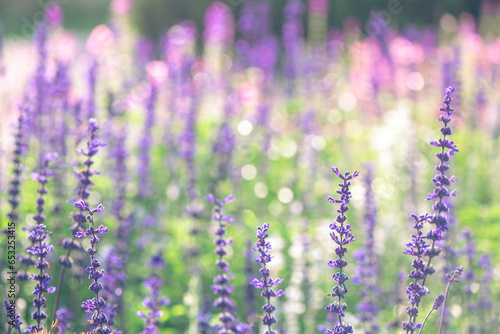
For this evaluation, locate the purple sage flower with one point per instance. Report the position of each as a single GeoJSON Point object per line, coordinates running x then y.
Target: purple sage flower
{"type": "Point", "coordinates": [418, 246]}
{"type": "Point", "coordinates": [39, 248]}
{"type": "Point", "coordinates": [221, 285]}
{"type": "Point", "coordinates": [341, 235]}
{"type": "Point", "coordinates": [155, 302]}
{"type": "Point", "coordinates": [83, 192]}
{"type": "Point", "coordinates": [266, 283]}
{"type": "Point", "coordinates": [96, 304]}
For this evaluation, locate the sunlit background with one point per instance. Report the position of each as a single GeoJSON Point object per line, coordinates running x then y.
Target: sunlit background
{"type": "Point", "coordinates": [259, 99]}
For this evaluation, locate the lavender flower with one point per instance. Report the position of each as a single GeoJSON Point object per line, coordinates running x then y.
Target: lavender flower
{"type": "Point", "coordinates": [40, 248]}
{"type": "Point", "coordinates": [153, 304]}
{"type": "Point", "coordinates": [367, 269]}
{"type": "Point", "coordinates": [293, 34]}
{"type": "Point", "coordinates": [12, 314]}
{"type": "Point", "coordinates": [266, 283]}
{"type": "Point", "coordinates": [341, 235]}
{"type": "Point", "coordinates": [96, 304]}
{"type": "Point", "coordinates": [13, 191]}
{"type": "Point", "coordinates": [417, 247]}
{"type": "Point", "coordinates": [441, 181]}
{"type": "Point", "coordinates": [225, 143]}
{"type": "Point", "coordinates": [145, 144]}
{"type": "Point", "coordinates": [91, 82]}
{"type": "Point", "coordinates": [257, 46]}
{"type": "Point", "coordinates": [221, 285]}
{"type": "Point", "coordinates": [83, 193]}
{"type": "Point", "coordinates": [117, 257]}
{"type": "Point", "coordinates": [187, 141]}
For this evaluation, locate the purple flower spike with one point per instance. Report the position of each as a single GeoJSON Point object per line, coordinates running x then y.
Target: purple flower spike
{"type": "Point", "coordinates": [266, 283]}
{"type": "Point", "coordinates": [96, 304]}
{"type": "Point", "coordinates": [422, 251]}
{"type": "Point", "coordinates": [80, 216]}
{"type": "Point", "coordinates": [155, 302]}
{"type": "Point", "coordinates": [221, 285]}
{"type": "Point", "coordinates": [341, 235]}
{"type": "Point", "coordinates": [39, 248]}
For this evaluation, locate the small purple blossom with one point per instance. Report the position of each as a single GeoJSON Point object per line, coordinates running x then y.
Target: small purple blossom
{"type": "Point", "coordinates": [266, 283]}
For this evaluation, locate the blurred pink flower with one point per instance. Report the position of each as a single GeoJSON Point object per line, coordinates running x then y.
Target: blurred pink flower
{"type": "Point", "coordinates": [405, 52]}
{"type": "Point", "coordinates": [157, 72]}
{"type": "Point", "coordinates": [493, 51]}
{"type": "Point", "coordinates": [318, 6]}
{"type": "Point", "coordinates": [121, 7]}
{"type": "Point", "coordinates": [53, 13]}
{"type": "Point", "coordinates": [64, 45]}
{"type": "Point", "coordinates": [474, 44]}
{"type": "Point", "coordinates": [100, 39]}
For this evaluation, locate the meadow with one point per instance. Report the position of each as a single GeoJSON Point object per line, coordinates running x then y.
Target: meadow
{"type": "Point", "coordinates": [233, 181]}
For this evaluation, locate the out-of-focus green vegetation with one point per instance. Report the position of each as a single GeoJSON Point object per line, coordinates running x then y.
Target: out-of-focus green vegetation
{"type": "Point", "coordinates": [152, 17]}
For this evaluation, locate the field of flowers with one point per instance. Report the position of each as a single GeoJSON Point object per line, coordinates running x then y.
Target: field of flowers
{"type": "Point", "coordinates": [232, 181]}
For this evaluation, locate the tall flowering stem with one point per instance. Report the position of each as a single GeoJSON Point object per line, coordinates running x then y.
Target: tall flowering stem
{"type": "Point", "coordinates": [451, 278]}
{"type": "Point", "coordinates": [83, 193]}
{"type": "Point", "coordinates": [418, 246]}
{"type": "Point", "coordinates": [437, 304]}
{"type": "Point", "coordinates": [341, 235]}
{"type": "Point", "coordinates": [266, 283]}
{"type": "Point", "coordinates": [96, 304]}
{"type": "Point", "coordinates": [221, 285]}
{"type": "Point", "coordinates": [440, 180]}
{"type": "Point", "coordinates": [40, 248]}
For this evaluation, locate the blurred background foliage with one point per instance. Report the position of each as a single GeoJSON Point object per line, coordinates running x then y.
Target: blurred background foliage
{"type": "Point", "coordinates": [152, 17]}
